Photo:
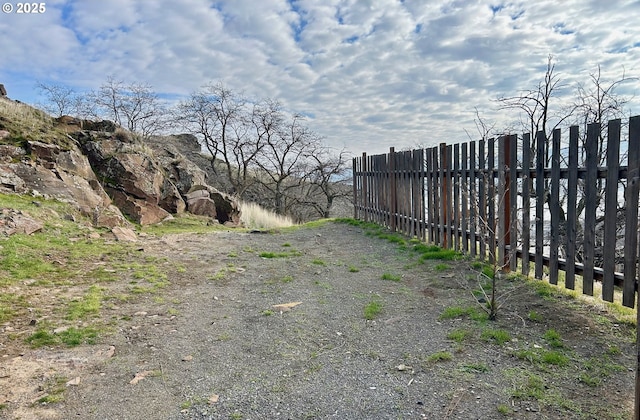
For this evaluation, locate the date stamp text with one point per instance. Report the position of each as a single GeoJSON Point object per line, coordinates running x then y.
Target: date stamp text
{"type": "Point", "coordinates": [24, 8]}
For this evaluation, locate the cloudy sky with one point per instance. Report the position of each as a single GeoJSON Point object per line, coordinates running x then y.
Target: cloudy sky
{"type": "Point", "coordinates": [369, 74]}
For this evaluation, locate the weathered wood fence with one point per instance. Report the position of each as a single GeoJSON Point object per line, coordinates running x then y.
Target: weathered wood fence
{"type": "Point", "coordinates": [497, 199]}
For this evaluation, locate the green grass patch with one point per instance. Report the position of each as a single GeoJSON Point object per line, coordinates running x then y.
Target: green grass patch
{"type": "Point", "coordinates": [391, 277]}
{"type": "Point", "coordinates": [459, 335]}
{"type": "Point", "coordinates": [287, 254]}
{"type": "Point", "coordinates": [42, 337]}
{"type": "Point", "coordinates": [534, 316]}
{"type": "Point", "coordinates": [479, 367]}
{"type": "Point", "coordinates": [553, 338]}
{"type": "Point", "coordinates": [71, 337]}
{"type": "Point", "coordinates": [353, 269]}
{"type": "Point", "coordinates": [439, 356]}
{"type": "Point", "coordinates": [89, 304]}
{"type": "Point", "coordinates": [540, 356]}
{"type": "Point", "coordinates": [318, 261]}
{"type": "Point", "coordinates": [497, 336]}
{"type": "Point", "coordinates": [472, 312]}
{"type": "Point", "coordinates": [372, 309]}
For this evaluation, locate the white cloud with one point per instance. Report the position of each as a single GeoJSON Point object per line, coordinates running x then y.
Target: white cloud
{"type": "Point", "coordinates": [372, 74]}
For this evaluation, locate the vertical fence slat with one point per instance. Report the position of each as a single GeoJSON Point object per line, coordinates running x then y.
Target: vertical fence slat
{"type": "Point", "coordinates": [464, 213]}
{"type": "Point", "coordinates": [473, 199]}
{"type": "Point", "coordinates": [540, 140]}
{"type": "Point", "coordinates": [491, 153]}
{"type": "Point", "coordinates": [590, 203]}
{"type": "Point", "coordinates": [436, 198]}
{"type": "Point", "coordinates": [429, 182]}
{"type": "Point", "coordinates": [503, 205]}
{"type": "Point", "coordinates": [513, 201]}
{"type": "Point", "coordinates": [611, 209]}
{"type": "Point", "coordinates": [444, 197]}
{"type": "Point", "coordinates": [572, 202]}
{"type": "Point", "coordinates": [456, 196]}
{"type": "Point", "coordinates": [449, 199]}
{"type": "Point", "coordinates": [393, 193]}
{"type": "Point", "coordinates": [482, 199]}
{"type": "Point", "coordinates": [554, 205]}
{"type": "Point", "coordinates": [631, 216]}
{"type": "Point", "coordinates": [526, 202]}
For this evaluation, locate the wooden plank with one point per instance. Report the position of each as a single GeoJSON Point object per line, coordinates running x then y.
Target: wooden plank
{"type": "Point", "coordinates": [418, 193]}
{"type": "Point", "coordinates": [572, 202]}
{"type": "Point", "coordinates": [449, 185]}
{"type": "Point", "coordinates": [611, 209]}
{"type": "Point", "coordinates": [590, 207]}
{"type": "Point", "coordinates": [482, 200]}
{"type": "Point", "coordinates": [423, 219]}
{"type": "Point", "coordinates": [464, 211]}
{"type": "Point", "coordinates": [526, 203]}
{"type": "Point", "coordinates": [473, 199]}
{"type": "Point", "coordinates": [456, 196]}
{"type": "Point", "coordinates": [429, 184]}
{"type": "Point", "coordinates": [444, 195]}
{"type": "Point", "coordinates": [554, 206]}
{"type": "Point", "coordinates": [631, 216]}
{"type": "Point", "coordinates": [540, 142]}
{"type": "Point", "coordinates": [513, 201]}
{"type": "Point", "coordinates": [491, 194]}
{"type": "Point", "coordinates": [503, 197]}
{"type": "Point", "coordinates": [393, 193]}
{"type": "Point", "coordinates": [436, 197]}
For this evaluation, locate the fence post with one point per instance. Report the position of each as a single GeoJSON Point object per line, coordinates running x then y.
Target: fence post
{"type": "Point", "coordinates": [554, 205]}
{"type": "Point", "coordinates": [504, 201]}
{"type": "Point", "coordinates": [631, 265]}
{"type": "Point", "coordinates": [444, 196]}
{"type": "Point", "coordinates": [393, 199]}
{"type": "Point", "coordinates": [590, 207]}
{"type": "Point", "coordinates": [611, 209]}
{"type": "Point", "coordinates": [631, 216]}
{"type": "Point", "coordinates": [540, 140]}
{"type": "Point", "coordinates": [526, 203]}
{"type": "Point", "coordinates": [513, 201]}
{"type": "Point", "coordinates": [572, 199]}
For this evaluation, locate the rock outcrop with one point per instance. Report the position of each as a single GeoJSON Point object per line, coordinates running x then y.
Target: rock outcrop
{"type": "Point", "coordinates": [107, 172]}
{"type": "Point", "coordinates": [47, 170]}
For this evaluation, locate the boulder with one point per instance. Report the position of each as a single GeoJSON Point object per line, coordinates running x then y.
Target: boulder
{"type": "Point", "coordinates": [65, 175]}
{"type": "Point", "coordinates": [134, 179]}
{"type": "Point", "coordinates": [124, 234]}
{"type": "Point", "coordinates": [104, 125]}
{"type": "Point", "coordinates": [140, 210]}
{"type": "Point", "coordinates": [15, 221]}
{"type": "Point", "coordinates": [202, 206]}
{"type": "Point", "coordinates": [207, 201]}
{"type": "Point", "coordinates": [180, 170]}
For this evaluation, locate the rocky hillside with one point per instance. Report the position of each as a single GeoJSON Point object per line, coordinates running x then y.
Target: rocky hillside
{"type": "Point", "coordinates": [104, 171]}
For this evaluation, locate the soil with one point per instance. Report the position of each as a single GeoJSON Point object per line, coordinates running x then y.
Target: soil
{"type": "Point", "coordinates": [212, 345]}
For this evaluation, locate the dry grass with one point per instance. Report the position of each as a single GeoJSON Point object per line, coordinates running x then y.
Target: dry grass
{"type": "Point", "coordinates": [254, 216]}
{"type": "Point", "coordinates": [26, 123]}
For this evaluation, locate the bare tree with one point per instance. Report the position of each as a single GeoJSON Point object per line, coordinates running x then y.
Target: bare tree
{"type": "Point", "coordinates": [282, 161]}
{"type": "Point", "coordinates": [134, 106]}
{"type": "Point", "coordinates": [326, 180]}
{"type": "Point", "coordinates": [540, 113]}
{"type": "Point", "coordinates": [60, 100]}
{"type": "Point", "coordinates": [229, 131]}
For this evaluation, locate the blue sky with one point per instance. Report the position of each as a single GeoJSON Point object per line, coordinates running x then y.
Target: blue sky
{"type": "Point", "coordinates": [370, 74]}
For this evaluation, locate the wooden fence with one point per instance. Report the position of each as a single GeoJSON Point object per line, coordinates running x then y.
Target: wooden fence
{"type": "Point", "coordinates": [497, 199]}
